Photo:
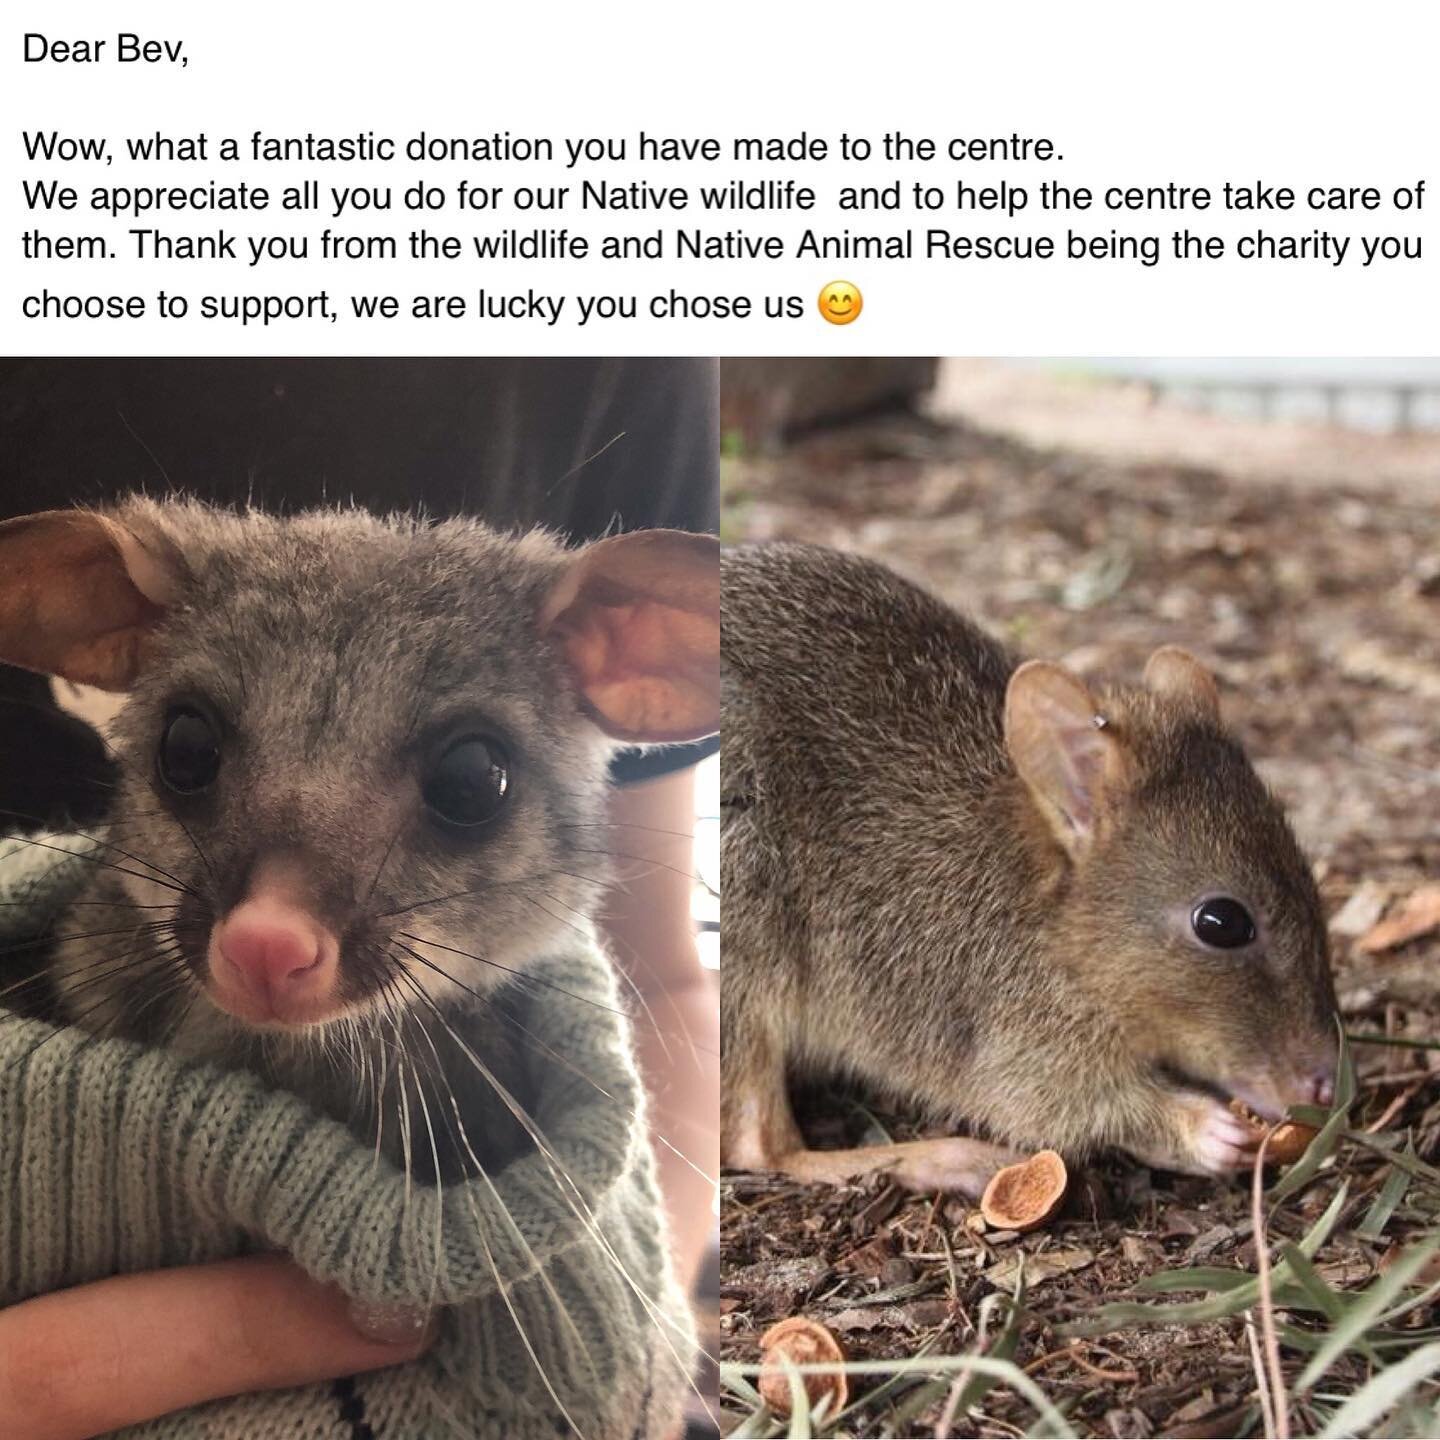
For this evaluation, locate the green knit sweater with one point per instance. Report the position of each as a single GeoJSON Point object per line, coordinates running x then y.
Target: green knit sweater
{"type": "Point", "coordinates": [558, 1312]}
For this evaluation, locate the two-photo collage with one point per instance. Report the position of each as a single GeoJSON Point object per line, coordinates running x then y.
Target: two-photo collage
{"type": "Point", "coordinates": [870, 896]}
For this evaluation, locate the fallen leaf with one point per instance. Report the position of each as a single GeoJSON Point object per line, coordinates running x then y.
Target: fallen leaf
{"type": "Point", "coordinates": [1202, 1404]}
{"type": "Point", "coordinates": [1218, 1425]}
{"type": "Point", "coordinates": [1038, 1268]}
{"type": "Point", "coordinates": [868, 1259]}
{"type": "Point", "coordinates": [1429, 1272]}
{"type": "Point", "coordinates": [1361, 911]}
{"type": "Point", "coordinates": [776, 1287]}
{"type": "Point", "coordinates": [897, 1271]}
{"type": "Point", "coordinates": [859, 1318]}
{"type": "Point", "coordinates": [1349, 1270]}
{"type": "Point", "coordinates": [1129, 1424]}
{"type": "Point", "coordinates": [1177, 1222]}
{"type": "Point", "coordinates": [1141, 1252]}
{"type": "Point", "coordinates": [1204, 1246]}
{"type": "Point", "coordinates": [1418, 915]}
{"type": "Point", "coordinates": [920, 1315]}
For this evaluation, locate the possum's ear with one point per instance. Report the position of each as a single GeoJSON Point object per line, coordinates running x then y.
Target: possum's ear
{"type": "Point", "coordinates": [1177, 675]}
{"type": "Point", "coordinates": [80, 593]}
{"type": "Point", "coordinates": [1064, 752]}
{"type": "Point", "coordinates": [638, 618]}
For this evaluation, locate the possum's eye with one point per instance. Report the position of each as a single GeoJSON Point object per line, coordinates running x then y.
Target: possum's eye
{"type": "Point", "coordinates": [1222, 923]}
{"type": "Point", "coordinates": [468, 784]}
{"type": "Point", "coordinates": [189, 756]}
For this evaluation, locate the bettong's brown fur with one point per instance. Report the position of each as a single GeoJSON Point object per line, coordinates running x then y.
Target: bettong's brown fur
{"type": "Point", "coordinates": [971, 886]}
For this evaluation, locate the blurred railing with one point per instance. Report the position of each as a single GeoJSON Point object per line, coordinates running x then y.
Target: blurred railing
{"type": "Point", "coordinates": [1394, 396]}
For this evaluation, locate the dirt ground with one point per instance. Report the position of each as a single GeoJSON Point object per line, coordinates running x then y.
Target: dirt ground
{"type": "Point", "coordinates": [1318, 606]}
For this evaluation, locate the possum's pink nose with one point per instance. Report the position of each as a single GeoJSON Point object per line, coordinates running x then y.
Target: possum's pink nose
{"type": "Point", "coordinates": [272, 960]}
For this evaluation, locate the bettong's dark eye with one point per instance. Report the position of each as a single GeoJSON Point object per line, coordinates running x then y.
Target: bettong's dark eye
{"type": "Point", "coordinates": [189, 757]}
{"type": "Point", "coordinates": [468, 784]}
{"type": "Point", "coordinates": [1222, 923]}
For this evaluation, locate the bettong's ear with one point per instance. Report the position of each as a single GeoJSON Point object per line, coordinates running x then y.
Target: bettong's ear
{"type": "Point", "coordinates": [1179, 676]}
{"type": "Point", "coordinates": [1064, 752]}
{"type": "Point", "coordinates": [80, 593]}
{"type": "Point", "coordinates": [638, 618]}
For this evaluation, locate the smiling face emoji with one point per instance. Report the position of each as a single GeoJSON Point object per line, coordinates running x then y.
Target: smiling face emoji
{"type": "Point", "coordinates": [840, 302]}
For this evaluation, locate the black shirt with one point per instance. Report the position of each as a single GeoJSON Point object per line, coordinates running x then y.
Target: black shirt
{"type": "Point", "coordinates": [587, 447]}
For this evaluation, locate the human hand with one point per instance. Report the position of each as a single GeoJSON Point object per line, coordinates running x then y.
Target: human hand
{"type": "Point", "coordinates": [85, 1361]}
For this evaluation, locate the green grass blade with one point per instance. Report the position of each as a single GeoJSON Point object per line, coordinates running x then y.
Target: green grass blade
{"type": "Point", "coordinates": [871, 1398]}
{"type": "Point", "coordinates": [1200, 1277]}
{"type": "Point", "coordinates": [1006, 1371]}
{"type": "Point", "coordinates": [740, 1386]}
{"type": "Point", "coordinates": [1382, 1394]}
{"type": "Point", "coordinates": [799, 1400]}
{"type": "Point", "coordinates": [1386, 1202]}
{"type": "Point", "coordinates": [1316, 1154]}
{"type": "Point", "coordinates": [975, 1386]}
{"type": "Point", "coordinates": [1405, 1161]}
{"type": "Point", "coordinates": [756, 1424]}
{"type": "Point", "coordinates": [1218, 1307]}
{"type": "Point", "coordinates": [1365, 1310]}
{"type": "Point", "coordinates": [1323, 1145]}
{"type": "Point", "coordinates": [1321, 1296]}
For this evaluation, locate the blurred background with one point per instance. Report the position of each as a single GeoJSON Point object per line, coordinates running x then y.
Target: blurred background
{"type": "Point", "coordinates": [1281, 517]}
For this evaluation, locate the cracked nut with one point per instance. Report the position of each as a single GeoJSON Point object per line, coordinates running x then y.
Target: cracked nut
{"type": "Point", "coordinates": [1289, 1141]}
{"type": "Point", "coordinates": [802, 1342]}
{"type": "Point", "coordinates": [1026, 1195]}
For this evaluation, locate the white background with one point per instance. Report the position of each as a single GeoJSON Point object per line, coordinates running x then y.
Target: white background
{"type": "Point", "coordinates": [1136, 93]}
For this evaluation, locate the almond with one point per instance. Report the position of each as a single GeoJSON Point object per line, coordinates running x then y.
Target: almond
{"type": "Point", "coordinates": [1025, 1196]}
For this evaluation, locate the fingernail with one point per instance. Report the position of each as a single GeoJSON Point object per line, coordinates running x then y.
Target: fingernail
{"type": "Point", "coordinates": [392, 1324]}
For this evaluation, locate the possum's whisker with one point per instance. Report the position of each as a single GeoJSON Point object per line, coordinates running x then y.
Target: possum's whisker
{"type": "Point", "coordinates": [463, 1138]}
{"type": "Point", "coordinates": [502, 1283]}
{"type": "Point", "coordinates": [125, 960]}
{"type": "Point", "coordinates": [509, 1019]}
{"type": "Point", "coordinates": [521, 976]}
{"type": "Point", "coordinates": [380, 868]}
{"type": "Point", "coordinates": [194, 844]}
{"type": "Point", "coordinates": [103, 864]}
{"type": "Point", "coordinates": [39, 940]}
{"type": "Point", "coordinates": [641, 860]}
{"type": "Point", "coordinates": [174, 984]}
{"type": "Point", "coordinates": [631, 825]}
{"type": "Point", "coordinates": [435, 1159]}
{"type": "Point", "coordinates": [638, 993]}
{"type": "Point", "coordinates": [397, 1009]}
{"type": "Point", "coordinates": [160, 929]}
{"type": "Point", "coordinates": [537, 1043]}
{"type": "Point", "coordinates": [578, 1205]}
{"type": "Point", "coordinates": [635, 990]}
{"type": "Point", "coordinates": [493, 886]}
{"type": "Point", "coordinates": [94, 840]}
{"type": "Point", "coordinates": [74, 1022]}
{"type": "Point", "coordinates": [178, 1023]}
{"type": "Point", "coordinates": [380, 1076]}
{"type": "Point", "coordinates": [108, 904]}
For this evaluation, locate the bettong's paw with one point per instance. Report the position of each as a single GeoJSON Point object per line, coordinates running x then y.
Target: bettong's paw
{"type": "Point", "coordinates": [1208, 1138]}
